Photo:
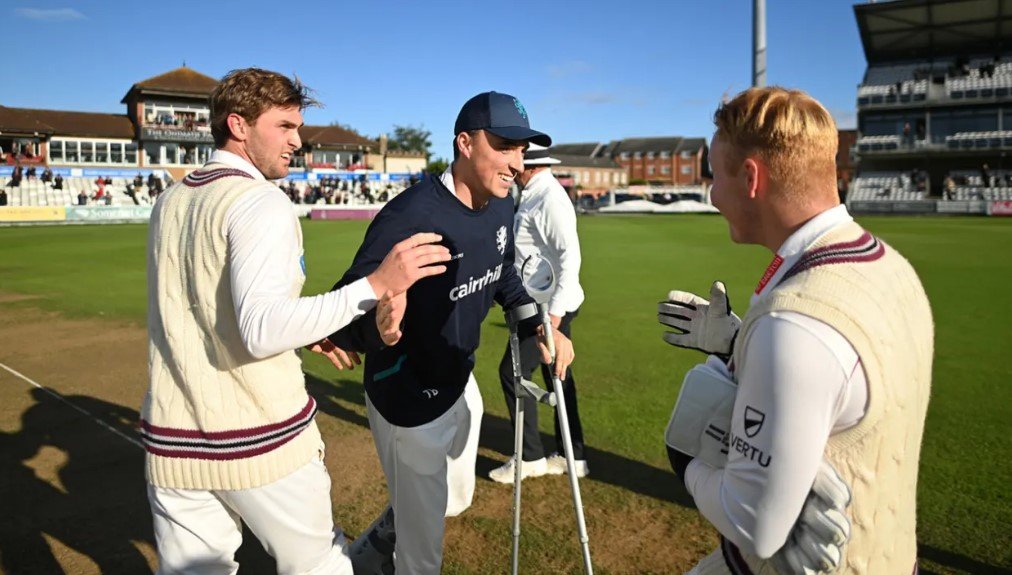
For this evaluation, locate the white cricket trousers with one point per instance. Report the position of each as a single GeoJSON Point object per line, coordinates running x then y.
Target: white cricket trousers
{"type": "Point", "coordinates": [430, 476]}
{"type": "Point", "coordinates": [198, 532]}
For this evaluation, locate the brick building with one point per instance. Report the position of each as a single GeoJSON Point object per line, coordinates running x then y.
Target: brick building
{"type": "Point", "coordinates": [666, 161]}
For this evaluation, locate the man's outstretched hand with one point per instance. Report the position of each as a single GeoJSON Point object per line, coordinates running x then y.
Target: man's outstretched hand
{"type": "Point", "coordinates": [389, 315]}
{"type": "Point", "coordinates": [409, 261]}
{"type": "Point", "coordinates": [337, 356]}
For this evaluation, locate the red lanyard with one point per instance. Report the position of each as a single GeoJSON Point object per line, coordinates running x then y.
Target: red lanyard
{"type": "Point", "coordinates": [768, 274]}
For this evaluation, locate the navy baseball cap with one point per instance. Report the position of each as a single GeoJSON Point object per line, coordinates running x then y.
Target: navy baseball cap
{"type": "Point", "coordinates": [501, 114]}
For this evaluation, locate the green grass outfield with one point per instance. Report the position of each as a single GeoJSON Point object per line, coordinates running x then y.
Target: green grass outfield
{"type": "Point", "coordinates": [628, 377]}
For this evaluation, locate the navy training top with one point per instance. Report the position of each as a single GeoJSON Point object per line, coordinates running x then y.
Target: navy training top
{"type": "Point", "coordinates": [423, 375]}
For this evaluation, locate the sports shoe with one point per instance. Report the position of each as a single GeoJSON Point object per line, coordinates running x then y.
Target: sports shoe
{"type": "Point", "coordinates": [557, 464]}
{"type": "Point", "coordinates": [373, 552]}
{"type": "Point", "coordinates": [506, 473]}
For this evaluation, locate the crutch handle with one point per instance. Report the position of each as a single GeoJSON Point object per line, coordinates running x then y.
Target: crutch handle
{"type": "Point", "coordinates": [540, 395]}
{"type": "Point", "coordinates": [546, 323]}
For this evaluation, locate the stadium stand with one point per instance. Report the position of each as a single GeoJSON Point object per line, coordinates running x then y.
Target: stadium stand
{"type": "Point", "coordinates": [936, 99]}
{"type": "Point", "coordinates": [35, 192]}
{"type": "Point", "coordinates": [166, 130]}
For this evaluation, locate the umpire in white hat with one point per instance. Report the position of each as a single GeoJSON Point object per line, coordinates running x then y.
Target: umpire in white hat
{"type": "Point", "coordinates": [545, 227]}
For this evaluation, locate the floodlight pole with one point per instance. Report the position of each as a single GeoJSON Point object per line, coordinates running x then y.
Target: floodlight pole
{"type": "Point", "coordinates": [758, 43]}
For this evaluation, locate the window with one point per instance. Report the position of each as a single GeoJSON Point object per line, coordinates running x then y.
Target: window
{"type": "Point", "coordinates": [686, 170]}
{"type": "Point", "coordinates": [188, 155]}
{"type": "Point", "coordinates": [686, 155]}
{"type": "Point", "coordinates": [204, 154]}
{"type": "Point", "coordinates": [586, 176]}
{"type": "Point", "coordinates": [637, 155]}
{"type": "Point", "coordinates": [325, 157]}
{"type": "Point", "coordinates": [91, 151]}
{"type": "Point", "coordinates": [665, 155]}
{"type": "Point", "coordinates": [597, 177]}
{"type": "Point", "coordinates": [171, 153]}
{"type": "Point", "coordinates": [56, 151]}
{"type": "Point", "coordinates": [176, 115]}
{"type": "Point", "coordinates": [946, 123]}
{"type": "Point", "coordinates": [152, 154]}
{"type": "Point", "coordinates": [131, 153]}
{"type": "Point", "coordinates": [650, 155]}
{"type": "Point", "coordinates": [624, 155]}
{"type": "Point", "coordinates": [665, 170]}
{"type": "Point", "coordinates": [101, 152]}
{"type": "Point", "coordinates": [650, 171]}
{"type": "Point", "coordinates": [87, 152]}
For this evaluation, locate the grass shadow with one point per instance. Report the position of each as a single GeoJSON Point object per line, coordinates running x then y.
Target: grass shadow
{"type": "Point", "coordinates": [956, 561]}
{"type": "Point", "coordinates": [497, 435]}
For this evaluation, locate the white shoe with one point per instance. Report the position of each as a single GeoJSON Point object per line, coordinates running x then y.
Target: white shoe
{"type": "Point", "coordinates": [507, 473]}
{"type": "Point", "coordinates": [557, 465]}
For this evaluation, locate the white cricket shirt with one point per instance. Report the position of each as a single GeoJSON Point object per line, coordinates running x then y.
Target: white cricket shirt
{"type": "Point", "coordinates": [265, 257]}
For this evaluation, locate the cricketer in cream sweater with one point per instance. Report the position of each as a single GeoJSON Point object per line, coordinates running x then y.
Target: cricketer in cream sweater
{"type": "Point", "coordinates": [832, 360]}
{"type": "Point", "coordinates": [227, 423]}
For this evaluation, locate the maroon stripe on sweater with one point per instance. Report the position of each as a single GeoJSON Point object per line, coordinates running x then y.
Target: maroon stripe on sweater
{"type": "Point", "coordinates": [232, 433]}
{"type": "Point", "coordinates": [865, 238]}
{"type": "Point", "coordinates": [227, 456]}
{"type": "Point", "coordinates": [867, 248]}
{"type": "Point", "coordinates": [202, 178]}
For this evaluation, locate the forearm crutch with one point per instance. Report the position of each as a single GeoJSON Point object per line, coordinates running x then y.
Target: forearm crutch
{"type": "Point", "coordinates": [521, 389]}
{"type": "Point", "coordinates": [567, 444]}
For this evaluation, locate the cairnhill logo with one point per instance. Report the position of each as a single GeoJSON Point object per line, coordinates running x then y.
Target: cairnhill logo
{"type": "Point", "coordinates": [520, 108]}
{"type": "Point", "coordinates": [753, 421]}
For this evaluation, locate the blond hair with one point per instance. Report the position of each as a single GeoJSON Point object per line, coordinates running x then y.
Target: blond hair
{"type": "Point", "coordinates": [791, 132]}
{"type": "Point", "coordinates": [250, 92]}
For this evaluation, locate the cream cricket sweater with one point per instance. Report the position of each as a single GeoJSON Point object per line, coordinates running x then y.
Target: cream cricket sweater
{"type": "Point", "coordinates": [214, 417]}
{"type": "Point", "coordinates": [870, 294]}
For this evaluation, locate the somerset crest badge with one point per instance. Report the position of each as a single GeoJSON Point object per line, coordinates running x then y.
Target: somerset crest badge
{"type": "Point", "coordinates": [500, 240]}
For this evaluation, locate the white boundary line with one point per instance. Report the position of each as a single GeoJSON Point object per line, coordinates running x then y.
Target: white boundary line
{"type": "Point", "coordinates": [64, 400]}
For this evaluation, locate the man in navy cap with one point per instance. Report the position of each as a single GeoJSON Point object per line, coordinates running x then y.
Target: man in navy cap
{"type": "Point", "coordinates": [423, 402]}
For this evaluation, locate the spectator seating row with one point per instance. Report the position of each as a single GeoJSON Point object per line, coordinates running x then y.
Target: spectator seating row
{"type": "Point", "coordinates": [975, 179]}
{"type": "Point", "coordinates": [909, 91]}
{"type": "Point", "coordinates": [963, 193]}
{"type": "Point", "coordinates": [325, 194]}
{"type": "Point", "coordinates": [977, 84]}
{"type": "Point", "coordinates": [977, 78]}
{"type": "Point", "coordinates": [884, 186]}
{"type": "Point", "coordinates": [868, 143]}
{"type": "Point", "coordinates": [38, 193]}
{"type": "Point", "coordinates": [992, 139]}
{"type": "Point", "coordinates": [891, 74]}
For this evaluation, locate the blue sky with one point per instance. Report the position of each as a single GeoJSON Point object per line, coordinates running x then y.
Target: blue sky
{"type": "Point", "coordinates": [586, 70]}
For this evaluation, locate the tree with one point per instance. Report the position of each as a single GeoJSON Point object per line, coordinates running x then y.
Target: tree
{"type": "Point", "coordinates": [437, 166]}
{"type": "Point", "coordinates": [344, 127]}
{"type": "Point", "coordinates": [411, 139]}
